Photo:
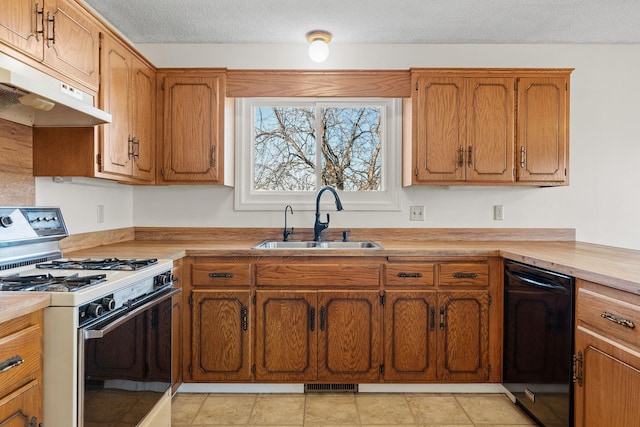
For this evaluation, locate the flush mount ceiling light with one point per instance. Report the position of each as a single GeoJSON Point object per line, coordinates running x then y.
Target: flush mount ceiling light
{"type": "Point", "coordinates": [318, 45]}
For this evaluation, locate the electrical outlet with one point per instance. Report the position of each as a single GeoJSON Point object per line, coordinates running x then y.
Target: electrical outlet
{"type": "Point", "coordinates": [416, 213]}
{"type": "Point", "coordinates": [100, 214]}
{"type": "Point", "coordinates": [498, 212]}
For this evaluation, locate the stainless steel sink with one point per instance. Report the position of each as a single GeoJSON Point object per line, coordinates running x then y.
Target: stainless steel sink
{"type": "Point", "coordinates": [310, 244]}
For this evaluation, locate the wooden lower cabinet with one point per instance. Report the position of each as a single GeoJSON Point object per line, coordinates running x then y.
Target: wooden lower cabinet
{"type": "Point", "coordinates": [324, 336]}
{"type": "Point", "coordinates": [221, 335]}
{"type": "Point", "coordinates": [607, 394]}
{"type": "Point", "coordinates": [21, 376]}
{"type": "Point", "coordinates": [433, 336]}
{"type": "Point", "coordinates": [607, 357]}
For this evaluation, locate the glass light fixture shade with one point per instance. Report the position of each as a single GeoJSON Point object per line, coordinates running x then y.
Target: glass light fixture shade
{"type": "Point", "coordinates": [318, 51]}
{"type": "Point", "coordinates": [318, 45]}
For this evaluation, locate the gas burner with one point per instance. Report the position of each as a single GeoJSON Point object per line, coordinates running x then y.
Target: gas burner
{"type": "Point", "coordinates": [98, 264]}
{"type": "Point", "coordinates": [49, 283]}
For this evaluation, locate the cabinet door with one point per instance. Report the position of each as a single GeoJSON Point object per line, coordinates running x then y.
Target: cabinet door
{"type": "Point", "coordinates": [19, 26]}
{"type": "Point", "coordinates": [192, 126]}
{"type": "Point", "coordinates": [286, 337]}
{"type": "Point", "coordinates": [542, 129]}
{"type": "Point", "coordinates": [410, 336]}
{"type": "Point", "coordinates": [73, 42]}
{"type": "Point", "coordinates": [221, 336]}
{"type": "Point", "coordinates": [143, 116]}
{"type": "Point", "coordinates": [439, 129]}
{"type": "Point", "coordinates": [22, 407]}
{"type": "Point", "coordinates": [116, 146]}
{"type": "Point", "coordinates": [463, 336]}
{"type": "Point", "coordinates": [349, 348]}
{"type": "Point", "coordinates": [490, 130]}
{"type": "Point", "coordinates": [607, 393]}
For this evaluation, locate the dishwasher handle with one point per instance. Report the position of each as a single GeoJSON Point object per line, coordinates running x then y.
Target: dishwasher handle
{"type": "Point", "coordinates": [537, 282]}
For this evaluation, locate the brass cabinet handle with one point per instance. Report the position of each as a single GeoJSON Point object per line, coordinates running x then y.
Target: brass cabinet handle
{"type": "Point", "coordinates": [11, 363]}
{"type": "Point", "coordinates": [135, 148]}
{"type": "Point", "coordinates": [523, 156]}
{"type": "Point", "coordinates": [245, 318]}
{"type": "Point", "coordinates": [221, 275]}
{"type": "Point", "coordinates": [404, 275]}
{"type": "Point", "coordinates": [462, 275]}
{"type": "Point", "coordinates": [577, 368]}
{"type": "Point", "coordinates": [130, 147]}
{"type": "Point", "coordinates": [617, 319]}
{"type": "Point", "coordinates": [470, 157]}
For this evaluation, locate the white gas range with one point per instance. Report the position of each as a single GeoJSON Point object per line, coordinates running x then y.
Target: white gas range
{"type": "Point", "coordinates": [108, 323]}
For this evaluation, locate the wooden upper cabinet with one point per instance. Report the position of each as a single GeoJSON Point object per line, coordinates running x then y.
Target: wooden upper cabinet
{"type": "Point", "coordinates": [128, 94]}
{"type": "Point", "coordinates": [439, 126]}
{"type": "Point", "coordinates": [20, 23]}
{"type": "Point", "coordinates": [543, 129]}
{"type": "Point", "coordinates": [58, 33]}
{"type": "Point", "coordinates": [192, 123]}
{"type": "Point", "coordinates": [463, 129]}
{"type": "Point", "coordinates": [473, 126]}
{"type": "Point", "coordinates": [72, 42]}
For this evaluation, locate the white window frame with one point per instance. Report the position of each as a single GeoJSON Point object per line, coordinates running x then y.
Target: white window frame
{"type": "Point", "coordinates": [389, 198]}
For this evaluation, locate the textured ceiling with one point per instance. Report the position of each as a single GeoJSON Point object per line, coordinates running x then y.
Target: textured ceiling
{"type": "Point", "coordinates": [375, 21]}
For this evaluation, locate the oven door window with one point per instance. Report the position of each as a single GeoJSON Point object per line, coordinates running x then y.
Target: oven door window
{"type": "Point", "coordinates": [127, 370]}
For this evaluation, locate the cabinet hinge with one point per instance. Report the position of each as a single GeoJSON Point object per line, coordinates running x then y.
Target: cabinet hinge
{"type": "Point", "coordinates": [577, 368]}
{"type": "Point", "coordinates": [566, 86]}
{"type": "Point", "coordinates": [382, 369]}
{"type": "Point", "coordinates": [253, 369]}
{"type": "Point", "coordinates": [416, 172]}
{"type": "Point", "coordinates": [565, 171]}
{"type": "Point", "coordinates": [490, 300]}
{"type": "Point", "coordinates": [99, 159]}
{"type": "Point", "coordinates": [190, 299]}
{"type": "Point", "coordinates": [254, 299]}
{"type": "Point", "coordinates": [383, 299]}
{"type": "Point", "coordinates": [190, 369]}
{"type": "Point", "coordinates": [162, 171]}
{"type": "Point", "coordinates": [416, 86]}
{"type": "Point", "coordinates": [489, 370]}
{"type": "Point", "coordinates": [162, 85]}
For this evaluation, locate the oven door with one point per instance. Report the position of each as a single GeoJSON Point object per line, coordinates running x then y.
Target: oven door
{"type": "Point", "coordinates": [125, 363]}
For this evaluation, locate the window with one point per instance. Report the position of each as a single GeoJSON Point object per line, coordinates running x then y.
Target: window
{"type": "Point", "coordinates": [288, 149]}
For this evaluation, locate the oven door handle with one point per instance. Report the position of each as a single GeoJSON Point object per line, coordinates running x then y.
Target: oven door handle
{"type": "Point", "coordinates": [88, 334]}
{"type": "Point", "coordinates": [537, 283]}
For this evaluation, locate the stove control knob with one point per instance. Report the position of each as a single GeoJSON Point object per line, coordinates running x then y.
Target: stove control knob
{"type": "Point", "coordinates": [163, 279]}
{"type": "Point", "coordinates": [108, 303]}
{"type": "Point", "coordinates": [94, 310]}
{"type": "Point", "coordinates": [6, 221]}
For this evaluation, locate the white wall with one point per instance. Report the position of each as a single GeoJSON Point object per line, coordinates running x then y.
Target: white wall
{"type": "Point", "coordinates": [602, 201]}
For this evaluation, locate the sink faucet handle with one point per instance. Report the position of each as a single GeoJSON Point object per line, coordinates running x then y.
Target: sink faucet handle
{"type": "Point", "coordinates": [327, 220]}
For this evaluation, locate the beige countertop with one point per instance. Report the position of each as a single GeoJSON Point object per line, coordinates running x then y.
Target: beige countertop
{"type": "Point", "coordinates": [16, 304]}
{"type": "Point", "coordinates": [615, 267]}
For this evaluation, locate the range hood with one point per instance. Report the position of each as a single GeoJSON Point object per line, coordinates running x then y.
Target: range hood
{"type": "Point", "coordinates": [31, 97]}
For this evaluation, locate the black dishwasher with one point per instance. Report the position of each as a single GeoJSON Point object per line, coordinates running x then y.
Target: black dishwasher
{"type": "Point", "coordinates": [538, 342]}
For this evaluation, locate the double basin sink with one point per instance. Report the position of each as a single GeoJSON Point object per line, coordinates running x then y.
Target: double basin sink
{"type": "Point", "coordinates": [310, 244]}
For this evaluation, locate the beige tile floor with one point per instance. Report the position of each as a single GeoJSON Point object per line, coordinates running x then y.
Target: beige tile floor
{"type": "Point", "coordinates": [346, 410]}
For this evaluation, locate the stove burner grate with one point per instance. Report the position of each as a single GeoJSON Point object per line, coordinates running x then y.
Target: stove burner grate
{"type": "Point", "coordinates": [49, 283]}
{"type": "Point", "coordinates": [99, 264]}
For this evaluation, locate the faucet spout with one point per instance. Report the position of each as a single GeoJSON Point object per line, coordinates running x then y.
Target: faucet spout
{"type": "Point", "coordinates": [319, 225]}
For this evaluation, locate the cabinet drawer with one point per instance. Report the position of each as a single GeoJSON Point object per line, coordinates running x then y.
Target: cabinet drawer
{"type": "Point", "coordinates": [21, 405]}
{"type": "Point", "coordinates": [409, 274]}
{"type": "Point", "coordinates": [464, 274]}
{"type": "Point", "coordinates": [613, 317]}
{"type": "Point", "coordinates": [318, 274]}
{"type": "Point", "coordinates": [20, 357]}
{"type": "Point", "coordinates": [220, 274]}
